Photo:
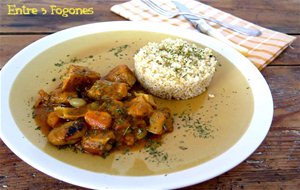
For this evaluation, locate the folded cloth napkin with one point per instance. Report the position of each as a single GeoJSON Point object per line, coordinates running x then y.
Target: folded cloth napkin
{"type": "Point", "coordinates": [262, 49]}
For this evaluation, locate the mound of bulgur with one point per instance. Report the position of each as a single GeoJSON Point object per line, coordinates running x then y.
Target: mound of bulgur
{"type": "Point", "coordinates": [174, 68]}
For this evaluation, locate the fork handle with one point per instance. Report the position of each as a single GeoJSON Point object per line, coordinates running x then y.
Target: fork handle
{"type": "Point", "coordinates": [240, 29]}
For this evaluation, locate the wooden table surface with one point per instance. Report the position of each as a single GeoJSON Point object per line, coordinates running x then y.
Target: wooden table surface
{"type": "Point", "coordinates": [274, 165]}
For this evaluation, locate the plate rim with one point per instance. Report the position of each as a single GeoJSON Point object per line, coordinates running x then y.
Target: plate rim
{"type": "Point", "coordinates": [84, 178]}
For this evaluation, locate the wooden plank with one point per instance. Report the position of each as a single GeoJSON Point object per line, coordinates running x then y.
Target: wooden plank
{"type": "Point", "coordinates": [284, 19]}
{"type": "Point", "coordinates": [36, 23]}
{"type": "Point", "coordinates": [282, 16]}
{"type": "Point", "coordinates": [291, 55]}
{"type": "Point", "coordinates": [274, 165]}
{"type": "Point", "coordinates": [11, 44]}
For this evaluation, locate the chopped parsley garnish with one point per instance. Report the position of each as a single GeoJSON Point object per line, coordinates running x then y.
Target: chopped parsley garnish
{"type": "Point", "coordinates": [118, 51]}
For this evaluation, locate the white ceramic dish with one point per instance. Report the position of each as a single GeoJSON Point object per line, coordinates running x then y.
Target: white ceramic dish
{"type": "Point", "coordinates": [27, 151]}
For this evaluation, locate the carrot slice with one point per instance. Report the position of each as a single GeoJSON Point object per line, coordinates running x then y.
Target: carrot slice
{"type": "Point", "coordinates": [98, 120]}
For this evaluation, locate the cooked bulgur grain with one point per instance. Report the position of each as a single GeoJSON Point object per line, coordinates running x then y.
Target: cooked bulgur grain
{"type": "Point", "coordinates": [174, 68]}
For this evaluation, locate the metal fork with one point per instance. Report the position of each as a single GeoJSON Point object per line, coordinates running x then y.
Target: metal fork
{"type": "Point", "coordinates": [171, 14]}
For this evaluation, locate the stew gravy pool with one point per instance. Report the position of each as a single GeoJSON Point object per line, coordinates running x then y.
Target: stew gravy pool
{"type": "Point", "coordinates": [204, 126]}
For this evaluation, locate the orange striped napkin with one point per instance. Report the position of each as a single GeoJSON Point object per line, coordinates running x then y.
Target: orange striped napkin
{"type": "Point", "coordinates": [262, 49]}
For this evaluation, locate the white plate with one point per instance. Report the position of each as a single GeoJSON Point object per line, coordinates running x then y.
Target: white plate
{"type": "Point", "coordinates": [246, 145]}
